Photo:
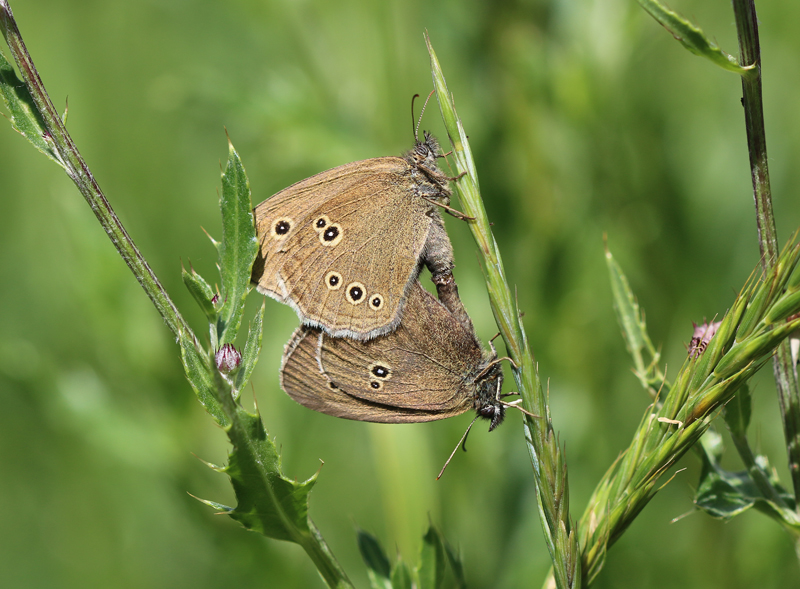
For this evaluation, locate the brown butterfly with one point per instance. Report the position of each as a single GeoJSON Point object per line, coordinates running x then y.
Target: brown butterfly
{"type": "Point", "coordinates": [343, 247]}
{"type": "Point", "coordinates": [431, 367]}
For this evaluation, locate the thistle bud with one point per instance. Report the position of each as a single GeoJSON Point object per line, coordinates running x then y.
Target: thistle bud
{"type": "Point", "coordinates": [702, 335]}
{"type": "Point", "coordinates": [227, 359]}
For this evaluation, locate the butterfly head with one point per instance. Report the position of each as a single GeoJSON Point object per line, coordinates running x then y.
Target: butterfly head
{"type": "Point", "coordinates": [487, 394]}
{"type": "Point", "coordinates": [425, 152]}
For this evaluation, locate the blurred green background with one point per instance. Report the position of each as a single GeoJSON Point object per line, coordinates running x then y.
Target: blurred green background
{"type": "Point", "coordinates": [585, 118]}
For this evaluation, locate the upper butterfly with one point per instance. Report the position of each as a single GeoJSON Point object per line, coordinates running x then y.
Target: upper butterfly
{"type": "Point", "coordinates": [343, 247]}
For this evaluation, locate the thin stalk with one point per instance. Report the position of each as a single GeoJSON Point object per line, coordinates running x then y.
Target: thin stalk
{"type": "Point", "coordinates": [756, 472]}
{"type": "Point", "coordinates": [547, 458]}
{"type": "Point", "coordinates": [786, 383]}
{"type": "Point", "coordinates": [79, 172]}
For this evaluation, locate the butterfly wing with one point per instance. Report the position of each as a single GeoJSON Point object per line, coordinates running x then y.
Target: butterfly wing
{"type": "Point", "coordinates": [303, 380]}
{"type": "Point", "coordinates": [422, 371]}
{"type": "Point", "coordinates": [342, 247]}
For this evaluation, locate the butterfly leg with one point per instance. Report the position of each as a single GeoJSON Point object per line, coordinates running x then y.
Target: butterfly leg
{"type": "Point", "coordinates": [455, 213]}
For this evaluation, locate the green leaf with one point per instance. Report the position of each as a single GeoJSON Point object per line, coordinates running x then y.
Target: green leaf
{"type": "Point", "coordinates": [738, 410]}
{"type": "Point", "coordinates": [251, 351]}
{"type": "Point", "coordinates": [25, 117]}
{"type": "Point", "coordinates": [199, 373]}
{"type": "Point", "coordinates": [401, 576]}
{"type": "Point", "coordinates": [431, 570]}
{"type": "Point", "coordinates": [378, 568]}
{"type": "Point", "coordinates": [692, 37]}
{"type": "Point", "coordinates": [456, 566]}
{"type": "Point", "coordinates": [238, 248]}
{"type": "Point", "coordinates": [201, 291]}
{"type": "Point", "coordinates": [267, 501]}
{"type": "Point", "coordinates": [630, 318]}
{"type": "Point", "coordinates": [724, 494]}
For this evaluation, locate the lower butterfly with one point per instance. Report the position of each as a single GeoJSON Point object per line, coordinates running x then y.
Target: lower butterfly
{"type": "Point", "coordinates": [431, 367]}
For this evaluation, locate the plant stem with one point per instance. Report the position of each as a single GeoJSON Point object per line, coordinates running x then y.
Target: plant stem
{"type": "Point", "coordinates": [547, 458]}
{"type": "Point", "coordinates": [785, 379]}
{"type": "Point", "coordinates": [79, 172]}
{"type": "Point", "coordinates": [322, 557]}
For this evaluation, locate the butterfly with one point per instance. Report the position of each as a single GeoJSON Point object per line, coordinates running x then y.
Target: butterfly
{"type": "Point", "coordinates": [343, 248]}
{"type": "Point", "coordinates": [431, 367]}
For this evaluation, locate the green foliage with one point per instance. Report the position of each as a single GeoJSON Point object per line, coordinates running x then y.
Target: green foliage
{"type": "Point", "coordinates": [25, 117]}
{"type": "Point", "coordinates": [724, 494]}
{"type": "Point", "coordinates": [581, 121]}
{"type": "Point", "coordinates": [268, 502]}
{"type": "Point", "coordinates": [439, 567]}
{"type": "Point", "coordinates": [237, 249]}
{"type": "Point", "coordinates": [202, 293]}
{"type": "Point", "coordinates": [692, 37]}
{"type": "Point", "coordinates": [378, 568]}
{"type": "Point", "coordinates": [200, 373]}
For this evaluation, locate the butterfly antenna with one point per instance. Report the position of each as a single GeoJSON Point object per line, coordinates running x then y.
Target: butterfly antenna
{"type": "Point", "coordinates": [414, 125]}
{"type": "Point", "coordinates": [463, 440]}
{"type": "Point", "coordinates": [422, 112]}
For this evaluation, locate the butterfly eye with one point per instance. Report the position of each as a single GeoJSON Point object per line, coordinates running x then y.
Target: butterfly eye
{"type": "Point", "coordinates": [333, 280]}
{"type": "Point", "coordinates": [321, 222]}
{"type": "Point", "coordinates": [355, 293]}
{"type": "Point", "coordinates": [487, 411]}
{"type": "Point", "coordinates": [376, 302]}
{"type": "Point", "coordinates": [376, 385]}
{"type": "Point", "coordinates": [281, 227]}
{"type": "Point", "coordinates": [331, 235]}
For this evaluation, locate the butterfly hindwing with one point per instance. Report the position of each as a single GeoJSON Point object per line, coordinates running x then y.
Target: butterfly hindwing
{"type": "Point", "coordinates": [422, 371]}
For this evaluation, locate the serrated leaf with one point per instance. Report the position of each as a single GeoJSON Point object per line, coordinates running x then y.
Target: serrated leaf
{"type": "Point", "coordinates": [238, 247]}
{"type": "Point", "coordinates": [431, 570]}
{"type": "Point", "coordinates": [267, 501]}
{"type": "Point", "coordinates": [378, 568]}
{"type": "Point", "coordinates": [738, 410]}
{"type": "Point", "coordinates": [200, 376]}
{"type": "Point", "coordinates": [25, 117]}
{"type": "Point", "coordinates": [252, 349]}
{"type": "Point", "coordinates": [401, 576]}
{"type": "Point", "coordinates": [201, 291]}
{"type": "Point", "coordinates": [724, 494]}
{"type": "Point", "coordinates": [692, 37]}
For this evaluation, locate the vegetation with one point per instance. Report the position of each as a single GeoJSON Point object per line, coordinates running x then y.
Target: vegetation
{"type": "Point", "coordinates": [582, 120]}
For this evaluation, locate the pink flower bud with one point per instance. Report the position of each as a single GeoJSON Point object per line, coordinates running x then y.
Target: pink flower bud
{"type": "Point", "coordinates": [227, 359]}
{"type": "Point", "coordinates": [702, 335]}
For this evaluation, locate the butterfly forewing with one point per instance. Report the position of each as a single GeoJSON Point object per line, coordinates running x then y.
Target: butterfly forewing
{"type": "Point", "coordinates": [343, 246]}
